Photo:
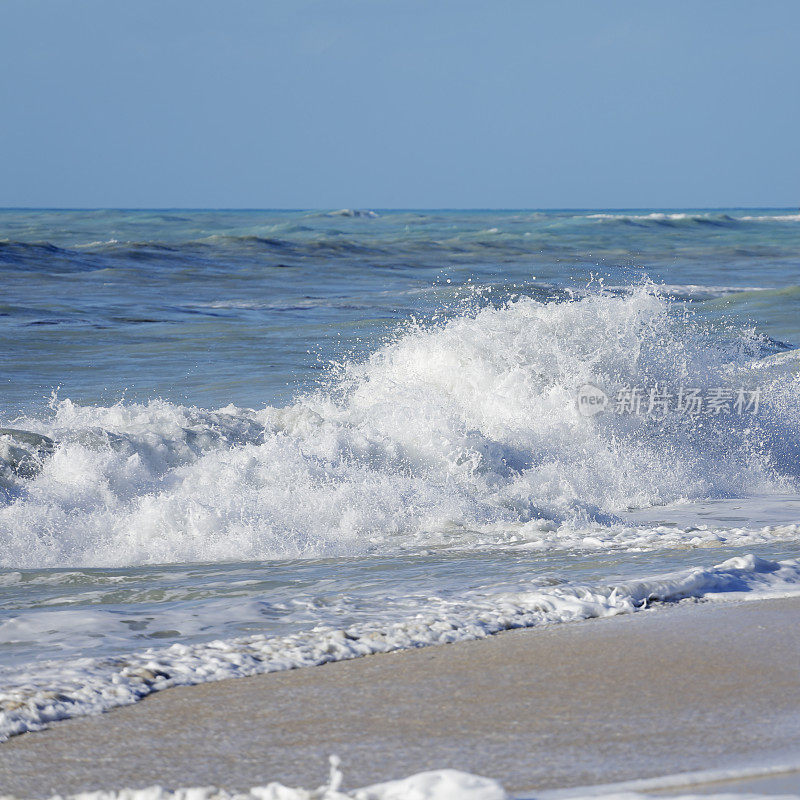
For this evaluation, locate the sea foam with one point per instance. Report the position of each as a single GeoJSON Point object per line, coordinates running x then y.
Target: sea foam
{"type": "Point", "coordinates": [50, 691]}
{"type": "Point", "coordinates": [448, 432]}
{"type": "Point", "coordinates": [451, 784]}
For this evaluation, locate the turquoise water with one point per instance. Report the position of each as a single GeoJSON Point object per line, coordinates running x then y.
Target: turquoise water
{"type": "Point", "coordinates": [307, 435]}
{"type": "Point", "coordinates": [210, 308]}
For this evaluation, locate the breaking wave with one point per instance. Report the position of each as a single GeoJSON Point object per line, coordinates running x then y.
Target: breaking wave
{"type": "Point", "coordinates": [463, 432]}
{"type": "Point", "coordinates": [683, 219]}
{"type": "Point", "coordinates": [667, 219]}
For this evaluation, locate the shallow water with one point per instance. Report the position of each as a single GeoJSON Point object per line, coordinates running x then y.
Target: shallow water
{"type": "Point", "coordinates": [286, 425]}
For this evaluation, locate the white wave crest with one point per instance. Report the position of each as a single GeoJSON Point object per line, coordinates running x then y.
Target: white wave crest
{"type": "Point", "coordinates": [679, 217]}
{"type": "Point", "coordinates": [773, 218]}
{"type": "Point", "coordinates": [444, 435]}
{"type": "Point", "coordinates": [352, 212]}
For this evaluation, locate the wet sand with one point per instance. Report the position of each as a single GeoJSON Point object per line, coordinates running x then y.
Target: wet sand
{"type": "Point", "coordinates": [671, 690]}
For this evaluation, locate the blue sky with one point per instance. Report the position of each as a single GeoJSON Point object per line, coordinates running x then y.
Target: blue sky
{"type": "Point", "coordinates": [390, 103]}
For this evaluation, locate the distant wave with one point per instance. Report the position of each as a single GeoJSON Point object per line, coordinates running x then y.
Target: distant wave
{"type": "Point", "coordinates": [202, 247]}
{"type": "Point", "coordinates": [350, 212]}
{"type": "Point", "coordinates": [773, 218]}
{"type": "Point", "coordinates": [684, 218]}
{"type": "Point", "coordinates": [694, 291]}
{"type": "Point", "coordinates": [747, 294]}
{"type": "Point", "coordinates": [665, 219]}
{"type": "Point", "coordinates": [45, 257]}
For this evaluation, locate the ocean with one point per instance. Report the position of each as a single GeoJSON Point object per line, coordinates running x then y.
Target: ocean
{"type": "Point", "coordinates": [233, 442]}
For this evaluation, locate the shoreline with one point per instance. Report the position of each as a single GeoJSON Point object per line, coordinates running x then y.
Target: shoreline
{"type": "Point", "coordinates": [691, 688]}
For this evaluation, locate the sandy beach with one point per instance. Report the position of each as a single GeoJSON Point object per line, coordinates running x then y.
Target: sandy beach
{"type": "Point", "coordinates": [671, 690]}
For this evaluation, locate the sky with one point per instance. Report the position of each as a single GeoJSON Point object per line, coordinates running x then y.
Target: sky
{"type": "Point", "coordinates": [399, 103]}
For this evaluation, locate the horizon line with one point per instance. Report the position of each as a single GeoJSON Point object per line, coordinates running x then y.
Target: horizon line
{"type": "Point", "coordinates": [397, 209]}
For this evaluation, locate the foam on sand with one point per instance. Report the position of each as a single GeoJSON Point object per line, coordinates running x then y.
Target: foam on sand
{"type": "Point", "coordinates": [442, 784]}
{"type": "Point", "coordinates": [445, 784]}
{"type": "Point", "coordinates": [51, 691]}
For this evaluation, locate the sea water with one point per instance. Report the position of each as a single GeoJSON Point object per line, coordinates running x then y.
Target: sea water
{"type": "Point", "coordinates": [236, 442]}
